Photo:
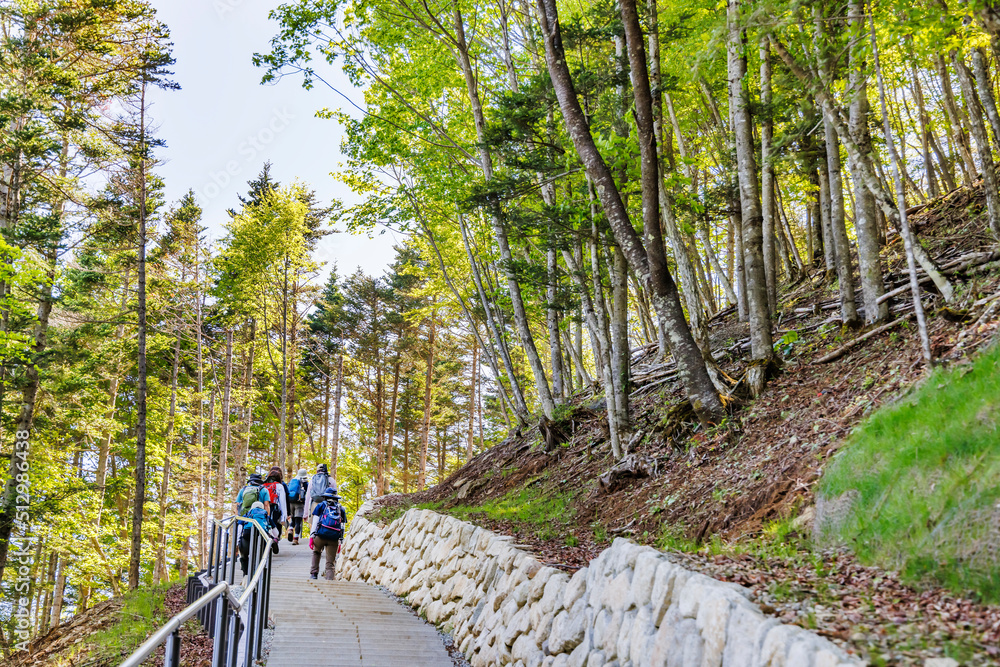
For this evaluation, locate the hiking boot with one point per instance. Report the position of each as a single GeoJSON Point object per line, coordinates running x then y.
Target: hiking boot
{"type": "Point", "coordinates": [290, 538]}
{"type": "Point", "coordinates": [313, 576]}
{"type": "Point", "coordinates": [295, 541]}
{"type": "Point", "coordinates": [274, 547]}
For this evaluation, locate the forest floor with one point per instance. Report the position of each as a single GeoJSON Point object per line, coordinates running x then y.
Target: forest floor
{"type": "Point", "coordinates": [736, 501]}
{"type": "Point", "coordinates": [106, 634]}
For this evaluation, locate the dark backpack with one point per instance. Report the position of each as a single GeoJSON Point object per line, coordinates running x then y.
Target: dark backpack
{"type": "Point", "coordinates": [317, 486]}
{"type": "Point", "coordinates": [251, 494]}
{"type": "Point", "coordinates": [295, 491]}
{"type": "Point", "coordinates": [331, 522]}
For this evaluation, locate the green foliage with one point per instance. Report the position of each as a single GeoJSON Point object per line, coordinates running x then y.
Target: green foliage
{"type": "Point", "coordinates": [922, 481]}
{"type": "Point", "coordinates": [142, 612]}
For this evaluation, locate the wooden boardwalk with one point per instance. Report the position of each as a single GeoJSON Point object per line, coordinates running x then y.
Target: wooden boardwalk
{"type": "Point", "coordinates": [321, 623]}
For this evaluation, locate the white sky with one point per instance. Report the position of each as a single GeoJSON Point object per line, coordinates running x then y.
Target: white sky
{"type": "Point", "coordinates": [223, 125]}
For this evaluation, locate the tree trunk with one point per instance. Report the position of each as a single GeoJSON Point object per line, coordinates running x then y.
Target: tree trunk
{"type": "Point", "coordinates": [767, 204]}
{"type": "Point", "coordinates": [160, 567]}
{"type": "Point", "coordinates": [500, 232]}
{"type": "Point", "coordinates": [391, 440]}
{"type": "Point", "coordinates": [335, 441]}
{"type": "Point", "coordinates": [866, 168]}
{"type": "Point", "coordinates": [649, 265]}
{"type": "Point", "coordinates": [426, 430]}
{"type": "Point", "coordinates": [954, 116]}
{"type": "Point", "coordinates": [908, 243]}
{"type": "Point", "coordinates": [135, 557]}
{"type": "Point", "coordinates": [470, 441]}
{"type": "Point", "coordinates": [865, 224]}
{"type": "Point", "coordinates": [220, 484]}
{"type": "Point", "coordinates": [517, 395]}
{"type": "Point", "coordinates": [58, 593]}
{"type": "Point", "coordinates": [981, 136]}
{"type": "Point", "coordinates": [552, 319]}
{"type": "Point", "coordinates": [243, 448]}
{"type": "Point", "coordinates": [751, 218]}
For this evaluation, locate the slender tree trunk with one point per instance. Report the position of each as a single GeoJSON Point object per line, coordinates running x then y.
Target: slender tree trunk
{"type": "Point", "coordinates": [922, 115]}
{"type": "Point", "coordinates": [470, 440]}
{"type": "Point", "coordinates": [908, 243]}
{"type": "Point", "coordinates": [335, 441]}
{"type": "Point", "coordinates": [750, 207]}
{"type": "Point", "coordinates": [240, 461]}
{"type": "Point", "coordinates": [500, 232]}
{"type": "Point", "coordinates": [954, 116]}
{"type": "Point", "coordinates": [648, 263]}
{"type": "Point", "coordinates": [220, 484]}
{"type": "Point", "coordinates": [866, 169]}
{"type": "Point", "coordinates": [284, 447]}
{"type": "Point", "coordinates": [58, 593]}
{"type": "Point", "coordinates": [135, 557]}
{"type": "Point", "coordinates": [552, 320]}
{"type": "Point", "coordinates": [160, 568]}
{"type": "Point", "coordinates": [391, 440]}
{"type": "Point", "coordinates": [865, 224]}
{"type": "Point", "coordinates": [838, 223]}
{"type": "Point", "coordinates": [986, 94]}
{"type": "Point", "coordinates": [981, 135]}
{"type": "Point", "coordinates": [767, 203]}
{"type": "Point", "coordinates": [428, 382]}
{"type": "Point", "coordinates": [517, 395]}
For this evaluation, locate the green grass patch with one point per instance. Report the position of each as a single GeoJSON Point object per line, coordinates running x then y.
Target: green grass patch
{"type": "Point", "coordinates": [139, 617]}
{"type": "Point", "coordinates": [917, 487]}
{"type": "Point", "coordinates": [542, 511]}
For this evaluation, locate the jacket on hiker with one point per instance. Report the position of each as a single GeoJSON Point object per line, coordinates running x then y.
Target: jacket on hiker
{"type": "Point", "coordinates": [258, 516]}
{"type": "Point", "coordinates": [262, 495]}
{"type": "Point", "coordinates": [317, 513]}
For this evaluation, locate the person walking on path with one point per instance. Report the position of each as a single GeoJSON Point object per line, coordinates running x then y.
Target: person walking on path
{"type": "Point", "coordinates": [329, 519]}
{"type": "Point", "coordinates": [257, 514]}
{"type": "Point", "coordinates": [279, 496]}
{"type": "Point", "coordinates": [298, 490]}
{"type": "Point", "coordinates": [319, 483]}
{"type": "Point", "coordinates": [253, 492]}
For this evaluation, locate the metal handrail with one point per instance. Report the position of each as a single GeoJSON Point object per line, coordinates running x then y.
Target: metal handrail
{"type": "Point", "coordinates": [225, 623]}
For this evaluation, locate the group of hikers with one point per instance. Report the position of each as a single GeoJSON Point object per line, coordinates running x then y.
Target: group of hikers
{"type": "Point", "coordinates": [274, 505]}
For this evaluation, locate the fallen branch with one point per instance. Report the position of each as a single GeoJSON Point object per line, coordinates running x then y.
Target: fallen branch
{"type": "Point", "coordinates": [841, 351]}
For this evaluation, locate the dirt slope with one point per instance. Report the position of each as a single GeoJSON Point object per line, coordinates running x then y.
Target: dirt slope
{"type": "Point", "coordinates": [734, 484]}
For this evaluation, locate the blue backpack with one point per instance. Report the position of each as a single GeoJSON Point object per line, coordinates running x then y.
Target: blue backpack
{"type": "Point", "coordinates": [331, 522]}
{"type": "Point", "coordinates": [295, 491]}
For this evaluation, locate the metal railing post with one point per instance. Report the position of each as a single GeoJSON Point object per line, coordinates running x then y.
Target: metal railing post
{"type": "Point", "coordinates": [211, 554]}
{"type": "Point", "coordinates": [237, 532]}
{"type": "Point", "coordinates": [218, 556]}
{"type": "Point", "coordinates": [221, 618]}
{"type": "Point", "coordinates": [235, 628]}
{"type": "Point", "coordinates": [172, 652]}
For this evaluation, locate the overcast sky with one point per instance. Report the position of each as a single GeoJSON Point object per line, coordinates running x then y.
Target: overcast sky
{"type": "Point", "coordinates": [223, 125]}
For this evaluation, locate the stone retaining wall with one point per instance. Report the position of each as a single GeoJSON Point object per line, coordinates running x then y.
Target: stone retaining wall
{"type": "Point", "coordinates": [631, 607]}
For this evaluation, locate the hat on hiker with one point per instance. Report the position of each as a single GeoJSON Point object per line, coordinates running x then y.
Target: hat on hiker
{"type": "Point", "coordinates": [257, 506]}
{"type": "Point", "coordinates": [331, 493]}
{"type": "Point", "coordinates": [303, 473]}
{"type": "Point", "coordinates": [321, 468]}
{"type": "Point", "coordinates": [255, 477]}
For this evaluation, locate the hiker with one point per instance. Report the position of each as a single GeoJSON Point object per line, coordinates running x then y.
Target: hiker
{"type": "Point", "coordinates": [256, 514]}
{"type": "Point", "coordinates": [319, 483]}
{"type": "Point", "coordinates": [254, 491]}
{"type": "Point", "coordinates": [279, 500]}
{"type": "Point", "coordinates": [329, 519]}
{"type": "Point", "coordinates": [298, 490]}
